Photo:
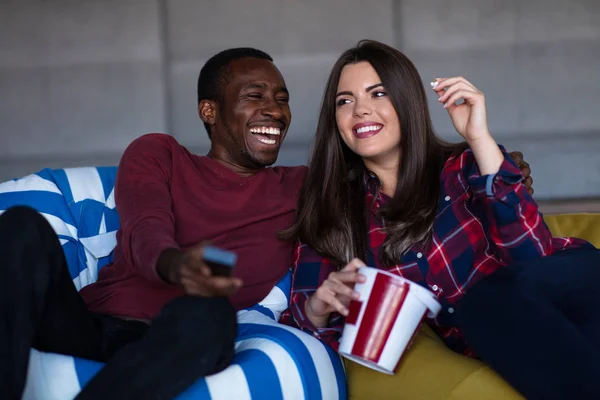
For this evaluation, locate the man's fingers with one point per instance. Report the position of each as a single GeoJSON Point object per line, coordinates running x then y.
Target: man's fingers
{"type": "Point", "coordinates": [517, 157]}
{"type": "Point", "coordinates": [223, 283]}
{"type": "Point", "coordinates": [528, 182]}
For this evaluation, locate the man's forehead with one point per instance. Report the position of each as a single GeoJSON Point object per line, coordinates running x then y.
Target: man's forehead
{"type": "Point", "coordinates": [254, 71]}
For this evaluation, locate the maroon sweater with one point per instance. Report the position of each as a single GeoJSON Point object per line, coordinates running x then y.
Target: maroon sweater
{"type": "Point", "coordinates": [168, 197]}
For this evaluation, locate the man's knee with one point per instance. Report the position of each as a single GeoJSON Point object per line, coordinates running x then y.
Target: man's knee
{"type": "Point", "coordinates": [25, 219]}
{"type": "Point", "coordinates": [210, 318]}
{"type": "Point", "coordinates": [19, 214]}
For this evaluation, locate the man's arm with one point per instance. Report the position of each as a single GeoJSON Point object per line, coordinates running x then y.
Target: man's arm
{"type": "Point", "coordinates": [143, 198]}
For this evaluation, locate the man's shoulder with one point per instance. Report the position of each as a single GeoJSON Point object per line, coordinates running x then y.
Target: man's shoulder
{"type": "Point", "coordinates": [296, 173]}
{"type": "Point", "coordinates": [153, 142]}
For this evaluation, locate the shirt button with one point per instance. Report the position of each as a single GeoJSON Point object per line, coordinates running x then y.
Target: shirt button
{"type": "Point", "coordinates": [435, 288]}
{"type": "Point", "coordinates": [447, 198]}
{"type": "Point", "coordinates": [419, 255]}
{"type": "Point", "coordinates": [450, 310]}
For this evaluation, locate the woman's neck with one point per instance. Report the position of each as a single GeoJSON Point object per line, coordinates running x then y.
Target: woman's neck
{"type": "Point", "coordinates": [386, 172]}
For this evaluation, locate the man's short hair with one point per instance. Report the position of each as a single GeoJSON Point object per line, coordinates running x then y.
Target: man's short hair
{"type": "Point", "coordinates": [213, 75]}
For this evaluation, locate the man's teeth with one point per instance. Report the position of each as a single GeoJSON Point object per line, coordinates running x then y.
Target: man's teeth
{"type": "Point", "coordinates": [368, 128]}
{"type": "Point", "coordinates": [265, 140]}
{"type": "Point", "coordinates": [266, 130]}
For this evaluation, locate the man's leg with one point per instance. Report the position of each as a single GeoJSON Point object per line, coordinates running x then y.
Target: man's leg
{"type": "Point", "coordinates": [191, 338]}
{"type": "Point", "coordinates": [39, 305]}
{"type": "Point", "coordinates": [537, 322]}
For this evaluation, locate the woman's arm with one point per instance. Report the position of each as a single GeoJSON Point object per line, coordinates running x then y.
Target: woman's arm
{"type": "Point", "coordinates": [314, 276]}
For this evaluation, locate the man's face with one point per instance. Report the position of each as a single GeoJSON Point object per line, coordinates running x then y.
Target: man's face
{"type": "Point", "coordinates": [254, 114]}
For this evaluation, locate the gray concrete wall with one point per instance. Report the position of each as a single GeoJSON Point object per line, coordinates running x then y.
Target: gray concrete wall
{"type": "Point", "coordinates": [80, 79]}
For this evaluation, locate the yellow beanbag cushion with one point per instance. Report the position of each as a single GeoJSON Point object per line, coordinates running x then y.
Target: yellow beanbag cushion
{"type": "Point", "coordinates": [431, 371]}
{"type": "Point", "coordinates": [584, 226]}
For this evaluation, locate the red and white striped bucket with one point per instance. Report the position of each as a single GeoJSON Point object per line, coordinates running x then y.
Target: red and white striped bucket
{"type": "Point", "coordinates": [382, 322]}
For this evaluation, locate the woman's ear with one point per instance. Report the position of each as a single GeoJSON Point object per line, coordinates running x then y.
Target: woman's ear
{"type": "Point", "coordinates": [207, 110]}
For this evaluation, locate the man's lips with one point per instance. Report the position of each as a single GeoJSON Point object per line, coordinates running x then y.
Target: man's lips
{"type": "Point", "coordinates": [366, 129]}
{"type": "Point", "coordinates": [268, 134]}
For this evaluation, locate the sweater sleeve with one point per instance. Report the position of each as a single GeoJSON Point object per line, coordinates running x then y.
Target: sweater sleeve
{"type": "Point", "coordinates": [142, 195]}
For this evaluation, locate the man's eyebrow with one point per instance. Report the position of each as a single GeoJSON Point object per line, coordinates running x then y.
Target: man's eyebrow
{"type": "Point", "coordinates": [256, 86]}
{"type": "Point", "coordinates": [263, 86]}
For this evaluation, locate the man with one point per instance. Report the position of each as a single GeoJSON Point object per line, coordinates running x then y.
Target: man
{"type": "Point", "coordinates": [171, 203]}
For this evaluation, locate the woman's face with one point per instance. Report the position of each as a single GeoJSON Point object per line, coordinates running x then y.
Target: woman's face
{"type": "Point", "coordinates": [365, 115]}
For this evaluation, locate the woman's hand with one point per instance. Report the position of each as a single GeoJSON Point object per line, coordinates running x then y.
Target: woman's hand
{"type": "Point", "coordinates": [469, 118]}
{"type": "Point", "coordinates": [334, 294]}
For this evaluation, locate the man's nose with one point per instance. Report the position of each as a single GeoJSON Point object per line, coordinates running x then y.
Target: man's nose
{"type": "Point", "coordinates": [272, 108]}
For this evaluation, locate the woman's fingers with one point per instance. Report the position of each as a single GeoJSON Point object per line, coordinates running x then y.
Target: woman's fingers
{"type": "Point", "coordinates": [468, 96]}
{"type": "Point", "coordinates": [354, 265]}
{"type": "Point", "coordinates": [328, 296]}
{"type": "Point", "coordinates": [444, 83]}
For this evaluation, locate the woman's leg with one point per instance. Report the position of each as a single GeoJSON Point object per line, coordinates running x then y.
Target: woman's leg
{"type": "Point", "coordinates": [537, 324]}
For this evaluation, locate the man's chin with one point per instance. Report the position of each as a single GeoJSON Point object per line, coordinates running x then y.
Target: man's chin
{"type": "Point", "coordinates": [264, 158]}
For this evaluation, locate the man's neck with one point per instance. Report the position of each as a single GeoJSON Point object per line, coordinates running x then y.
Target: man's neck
{"type": "Point", "coordinates": [224, 159]}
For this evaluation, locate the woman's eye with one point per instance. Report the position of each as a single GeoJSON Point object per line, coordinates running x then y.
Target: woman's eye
{"type": "Point", "coordinates": [341, 102]}
{"type": "Point", "coordinates": [380, 93]}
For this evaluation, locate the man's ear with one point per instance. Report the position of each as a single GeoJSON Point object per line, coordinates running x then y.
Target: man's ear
{"type": "Point", "coordinates": [207, 110]}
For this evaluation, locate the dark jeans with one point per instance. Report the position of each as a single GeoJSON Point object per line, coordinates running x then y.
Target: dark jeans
{"type": "Point", "coordinates": [39, 307]}
{"type": "Point", "coordinates": [537, 323]}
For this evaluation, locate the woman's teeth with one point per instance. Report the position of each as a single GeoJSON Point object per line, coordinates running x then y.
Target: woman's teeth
{"type": "Point", "coordinates": [368, 128]}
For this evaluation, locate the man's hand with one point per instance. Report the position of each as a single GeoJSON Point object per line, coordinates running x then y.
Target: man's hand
{"type": "Point", "coordinates": [188, 270]}
{"type": "Point", "coordinates": [517, 157]}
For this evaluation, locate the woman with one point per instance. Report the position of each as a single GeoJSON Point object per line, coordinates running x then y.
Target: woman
{"type": "Point", "coordinates": [383, 188]}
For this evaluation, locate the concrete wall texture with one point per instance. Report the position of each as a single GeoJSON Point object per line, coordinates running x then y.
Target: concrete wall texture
{"type": "Point", "coordinates": [80, 79]}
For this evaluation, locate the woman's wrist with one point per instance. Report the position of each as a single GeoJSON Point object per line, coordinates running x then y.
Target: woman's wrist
{"type": "Point", "coordinates": [317, 321]}
{"type": "Point", "coordinates": [487, 154]}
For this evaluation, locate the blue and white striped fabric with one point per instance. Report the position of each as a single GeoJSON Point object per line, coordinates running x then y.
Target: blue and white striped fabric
{"type": "Point", "coordinates": [272, 361]}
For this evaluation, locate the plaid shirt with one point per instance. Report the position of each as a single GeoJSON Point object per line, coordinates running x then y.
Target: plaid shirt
{"type": "Point", "coordinates": [483, 223]}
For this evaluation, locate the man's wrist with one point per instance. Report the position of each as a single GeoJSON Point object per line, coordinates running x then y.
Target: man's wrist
{"type": "Point", "coordinates": [168, 265]}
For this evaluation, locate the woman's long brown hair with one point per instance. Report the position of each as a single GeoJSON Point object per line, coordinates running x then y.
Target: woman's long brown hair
{"type": "Point", "coordinates": [332, 214]}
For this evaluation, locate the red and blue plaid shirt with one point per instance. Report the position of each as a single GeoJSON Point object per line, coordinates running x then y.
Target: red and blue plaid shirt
{"type": "Point", "coordinates": [483, 223]}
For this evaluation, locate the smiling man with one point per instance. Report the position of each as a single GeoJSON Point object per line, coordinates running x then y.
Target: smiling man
{"type": "Point", "coordinates": [157, 315]}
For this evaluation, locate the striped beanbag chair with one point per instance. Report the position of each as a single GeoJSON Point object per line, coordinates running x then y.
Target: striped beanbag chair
{"type": "Point", "coordinates": [272, 361]}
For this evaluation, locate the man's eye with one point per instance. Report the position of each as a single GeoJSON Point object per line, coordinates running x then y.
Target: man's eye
{"type": "Point", "coordinates": [255, 95]}
{"type": "Point", "coordinates": [283, 99]}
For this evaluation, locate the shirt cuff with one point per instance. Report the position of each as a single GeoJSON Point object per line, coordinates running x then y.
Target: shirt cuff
{"type": "Point", "coordinates": [496, 185]}
{"type": "Point", "coordinates": [146, 257]}
{"type": "Point", "coordinates": [306, 325]}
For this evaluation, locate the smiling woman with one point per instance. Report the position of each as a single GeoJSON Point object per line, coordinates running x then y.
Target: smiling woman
{"type": "Point", "coordinates": [383, 190]}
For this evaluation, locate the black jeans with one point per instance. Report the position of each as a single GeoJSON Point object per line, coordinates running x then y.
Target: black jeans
{"type": "Point", "coordinates": [39, 307]}
{"type": "Point", "coordinates": [537, 323]}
